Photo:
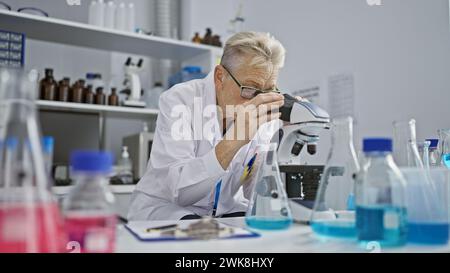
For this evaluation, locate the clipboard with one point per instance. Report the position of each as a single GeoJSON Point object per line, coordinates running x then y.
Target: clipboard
{"type": "Point", "coordinates": [139, 230]}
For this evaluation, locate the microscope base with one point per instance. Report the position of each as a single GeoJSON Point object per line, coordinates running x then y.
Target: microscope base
{"type": "Point", "coordinates": [302, 183]}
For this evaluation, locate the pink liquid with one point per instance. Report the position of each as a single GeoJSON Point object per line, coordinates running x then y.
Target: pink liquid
{"type": "Point", "coordinates": [93, 233]}
{"type": "Point", "coordinates": [36, 228]}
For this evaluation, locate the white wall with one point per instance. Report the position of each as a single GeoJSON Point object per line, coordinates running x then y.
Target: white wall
{"type": "Point", "coordinates": [399, 52]}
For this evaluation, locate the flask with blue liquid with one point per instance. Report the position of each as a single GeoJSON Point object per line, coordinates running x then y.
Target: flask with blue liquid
{"type": "Point", "coordinates": [268, 208]}
{"type": "Point", "coordinates": [380, 196]}
{"type": "Point", "coordinates": [334, 207]}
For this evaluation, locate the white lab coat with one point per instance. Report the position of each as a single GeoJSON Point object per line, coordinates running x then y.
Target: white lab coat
{"type": "Point", "coordinates": [182, 175]}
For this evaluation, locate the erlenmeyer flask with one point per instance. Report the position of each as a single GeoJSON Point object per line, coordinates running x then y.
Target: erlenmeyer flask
{"type": "Point", "coordinates": [444, 144]}
{"type": "Point", "coordinates": [30, 219]}
{"type": "Point", "coordinates": [268, 208]}
{"type": "Point", "coordinates": [334, 207]}
{"type": "Point", "coordinates": [406, 153]}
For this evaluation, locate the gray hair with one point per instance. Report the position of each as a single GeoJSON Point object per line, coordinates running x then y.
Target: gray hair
{"type": "Point", "coordinates": [255, 49]}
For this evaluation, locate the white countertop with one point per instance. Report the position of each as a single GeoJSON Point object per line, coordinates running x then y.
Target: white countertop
{"type": "Point", "coordinates": [297, 239]}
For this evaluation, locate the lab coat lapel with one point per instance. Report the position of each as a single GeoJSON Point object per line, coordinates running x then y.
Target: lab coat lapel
{"type": "Point", "coordinates": [209, 98]}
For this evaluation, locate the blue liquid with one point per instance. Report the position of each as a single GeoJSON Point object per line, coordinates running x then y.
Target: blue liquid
{"type": "Point", "coordinates": [386, 225]}
{"type": "Point", "coordinates": [334, 228]}
{"type": "Point", "coordinates": [446, 160]}
{"type": "Point", "coordinates": [351, 202]}
{"type": "Point", "coordinates": [268, 223]}
{"type": "Point", "coordinates": [428, 233]}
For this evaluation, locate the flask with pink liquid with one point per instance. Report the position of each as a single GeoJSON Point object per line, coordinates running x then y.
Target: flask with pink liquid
{"type": "Point", "coordinates": [30, 220]}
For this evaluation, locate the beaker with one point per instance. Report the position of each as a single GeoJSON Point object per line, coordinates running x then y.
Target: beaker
{"type": "Point", "coordinates": [406, 153]}
{"type": "Point", "coordinates": [268, 208]}
{"type": "Point", "coordinates": [444, 144]}
{"type": "Point", "coordinates": [427, 205]}
{"type": "Point", "coordinates": [334, 208]}
{"type": "Point", "coordinates": [30, 220]}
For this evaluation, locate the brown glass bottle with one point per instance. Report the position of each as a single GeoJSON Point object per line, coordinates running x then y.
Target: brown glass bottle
{"type": "Point", "coordinates": [100, 98]}
{"type": "Point", "coordinates": [48, 86]}
{"type": "Point", "coordinates": [113, 99]}
{"type": "Point", "coordinates": [77, 93]}
{"type": "Point", "coordinates": [63, 90]}
{"type": "Point", "coordinates": [89, 95]}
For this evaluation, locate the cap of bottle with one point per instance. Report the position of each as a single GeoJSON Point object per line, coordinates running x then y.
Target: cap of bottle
{"type": "Point", "coordinates": [91, 161]}
{"type": "Point", "coordinates": [90, 76]}
{"type": "Point", "coordinates": [125, 153]}
{"type": "Point", "coordinates": [433, 142]}
{"type": "Point", "coordinates": [377, 145]}
{"type": "Point", "coordinates": [49, 71]}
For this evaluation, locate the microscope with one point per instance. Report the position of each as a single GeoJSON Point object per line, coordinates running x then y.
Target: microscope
{"type": "Point", "coordinates": [303, 123]}
{"type": "Point", "coordinates": [133, 84]}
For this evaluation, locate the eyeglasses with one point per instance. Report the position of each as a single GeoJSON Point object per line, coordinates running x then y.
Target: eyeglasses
{"type": "Point", "coordinates": [28, 10]}
{"type": "Point", "coordinates": [249, 92]}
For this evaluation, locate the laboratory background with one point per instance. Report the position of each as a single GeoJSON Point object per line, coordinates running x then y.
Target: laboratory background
{"type": "Point", "coordinates": [375, 75]}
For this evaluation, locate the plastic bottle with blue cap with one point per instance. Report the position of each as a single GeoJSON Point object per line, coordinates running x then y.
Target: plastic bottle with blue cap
{"type": "Point", "coordinates": [89, 208]}
{"type": "Point", "coordinates": [380, 196]}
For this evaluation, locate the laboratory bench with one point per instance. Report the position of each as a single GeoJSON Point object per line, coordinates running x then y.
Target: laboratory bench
{"type": "Point", "coordinates": [297, 239]}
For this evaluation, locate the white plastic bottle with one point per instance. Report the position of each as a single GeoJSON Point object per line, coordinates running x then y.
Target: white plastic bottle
{"type": "Point", "coordinates": [131, 14]}
{"type": "Point", "coordinates": [100, 13]}
{"type": "Point", "coordinates": [125, 172]}
{"type": "Point", "coordinates": [92, 12]}
{"type": "Point", "coordinates": [90, 218]}
{"type": "Point", "coordinates": [121, 15]}
{"type": "Point", "coordinates": [110, 14]}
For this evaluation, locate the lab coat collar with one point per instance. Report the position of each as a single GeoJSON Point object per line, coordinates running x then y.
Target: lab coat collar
{"type": "Point", "coordinates": [209, 98]}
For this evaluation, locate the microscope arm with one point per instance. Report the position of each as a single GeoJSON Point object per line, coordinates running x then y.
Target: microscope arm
{"type": "Point", "coordinates": [305, 120]}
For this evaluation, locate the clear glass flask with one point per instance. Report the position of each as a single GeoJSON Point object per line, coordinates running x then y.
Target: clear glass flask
{"type": "Point", "coordinates": [268, 208]}
{"type": "Point", "coordinates": [334, 208]}
{"type": "Point", "coordinates": [30, 220]}
{"type": "Point", "coordinates": [406, 153]}
{"type": "Point", "coordinates": [444, 140]}
{"type": "Point", "coordinates": [380, 196]}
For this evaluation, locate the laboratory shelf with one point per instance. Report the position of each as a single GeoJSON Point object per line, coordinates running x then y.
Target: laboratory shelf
{"type": "Point", "coordinates": [116, 189]}
{"type": "Point", "coordinates": [85, 35]}
{"type": "Point", "coordinates": [96, 109]}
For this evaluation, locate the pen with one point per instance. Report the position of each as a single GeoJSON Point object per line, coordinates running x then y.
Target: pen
{"type": "Point", "coordinates": [161, 228]}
